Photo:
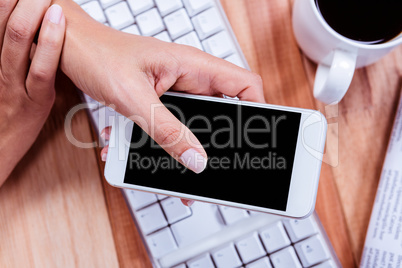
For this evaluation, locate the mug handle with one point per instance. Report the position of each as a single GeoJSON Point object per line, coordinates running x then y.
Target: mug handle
{"type": "Point", "coordinates": [332, 82]}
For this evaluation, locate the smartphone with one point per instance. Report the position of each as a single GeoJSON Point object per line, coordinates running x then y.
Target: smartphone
{"type": "Point", "coordinates": [261, 157]}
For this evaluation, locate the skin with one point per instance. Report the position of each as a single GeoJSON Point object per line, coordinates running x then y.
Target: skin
{"type": "Point", "coordinates": [124, 71]}
{"type": "Point", "coordinates": [133, 71]}
{"type": "Point", "coordinates": [26, 86]}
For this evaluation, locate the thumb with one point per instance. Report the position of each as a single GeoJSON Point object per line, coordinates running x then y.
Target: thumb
{"type": "Point", "coordinates": [169, 132]}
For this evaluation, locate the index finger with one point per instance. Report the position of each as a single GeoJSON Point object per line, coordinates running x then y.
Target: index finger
{"type": "Point", "coordinates": [208, 75]}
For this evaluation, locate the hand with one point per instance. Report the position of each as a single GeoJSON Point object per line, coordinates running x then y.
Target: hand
{"type": "Point", "coordinates": [27, 74]}
{"type": "Point", "coordinates": [130, 72]}
{"type": "Point", "coordinates": [105, 134]}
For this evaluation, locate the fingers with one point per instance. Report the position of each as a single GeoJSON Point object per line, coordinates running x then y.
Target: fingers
{"type": "Point", "coordinates": [172, 135]}
{"type": "Point", "coordinates": [45, 62]}
{"type": "Point", "coordinates": [187, 203]}
{"type": "Point", "coordinates": [18, 36]}
{"type": "Point", "coordinates": [164, 128]}
{"type": "Point", "coordinates": [208, 75]}
{"type": "Point", "coordinates": [104, 153]}
{"type": "Point", "coordinates": [105, 133]}
{"type": "Point", "coordinates": [6, 7]}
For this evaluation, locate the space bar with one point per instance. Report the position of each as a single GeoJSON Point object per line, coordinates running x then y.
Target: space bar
{"type": "Point", "coordinates": [222, 237]}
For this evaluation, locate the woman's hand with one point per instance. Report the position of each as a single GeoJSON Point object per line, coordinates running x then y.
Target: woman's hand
{"type": "Point", "coordinates": [131, 72]}
{"type": "Point", "coordinates": [27, 74]}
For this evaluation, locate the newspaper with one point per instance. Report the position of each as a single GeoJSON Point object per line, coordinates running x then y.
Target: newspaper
{"type": "Point", "coordinates": [383, 245]}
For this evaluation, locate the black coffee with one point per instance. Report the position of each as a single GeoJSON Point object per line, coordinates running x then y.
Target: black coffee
{"type": "Point", "coordinates": [368, 21]}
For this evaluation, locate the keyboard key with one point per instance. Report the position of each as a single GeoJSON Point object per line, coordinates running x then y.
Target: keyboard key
{"type": "Point", "coordinates": [80, 2]}
{"type": "Point", "coordinates": [226, 257]}
{"type": "Point", "coordinates": [195, 228]}
{"type": "Point", "coordinates": [161, 196]}
{"type": "Point", "coordinates": [150, 22]}
{"type": "Point", "coordinates": [181, 266]}
{"type": "Point", "coordinates": [225, 236]}
{"type": "Point", "coordinates": [235, 59]}
{"type": "Point", "coordinates": [161, 243]}
{"type": "Point", "coordinates": [108, 3]}
{"type": "Point", "coordinates": [175, 210]}
{"type": "Point", "coordinates": [163, 36]}
{"type": "Point", "coordinates": [139, 6]}
{"type": "Point", "coordinates": [250, 248]}
{"type": "Point", "coordinates": [196, 6]}
{"type": "Point", "coordinates": [201, 262]}
{"type": "Point", "coordinates": [232, 215]}
{"type": "Point", "coordinates": [274, 237]}
{"type": "Point", "coordinates": [133, 29]}
{"type": "Point", "coordinates": [190, 39]}
{"type": "Point", "coordinates": [139, 199]}
{"type": "Point", "coordinates": [208, 23]}
{"type": "Point", "coordinates": [285, 258]}
{"type": "Point", "coordinates": [94, 10]}
{"type": "Point", "coordinates": [312, 251]}
{"type": "Point", "coordinates": [261, 263]}
{"type": "Point", "coordinates": [166, 7]}
{"type": "Point", "coordinates": [300, 229]}
{"type": "Point", "coordinates": [151, 219]}
{"type": "Point", "coordinates": [178, 23]}
{"type": "Point", "coordinates": [119, 16]}
{"type": "Point", "coordinates": [327, 264]}
{"type": "Point", "coordinates": [220, 45]}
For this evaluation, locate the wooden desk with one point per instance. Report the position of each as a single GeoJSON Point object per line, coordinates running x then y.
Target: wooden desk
{"type": "Point", "coordinates": [57, 211]}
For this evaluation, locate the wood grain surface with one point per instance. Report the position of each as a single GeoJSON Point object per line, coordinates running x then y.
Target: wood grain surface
{"type": "Point", "coordinates": [56, 210]}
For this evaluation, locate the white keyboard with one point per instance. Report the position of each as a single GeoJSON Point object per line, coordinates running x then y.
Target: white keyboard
{"type": "Point", "coordinates": [205, 235]}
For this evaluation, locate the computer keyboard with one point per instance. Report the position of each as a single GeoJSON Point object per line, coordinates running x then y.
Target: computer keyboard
{"type": "Point", "coordinates": [208, 235]}
{"type": "Point", "coordinates": [204, 235]}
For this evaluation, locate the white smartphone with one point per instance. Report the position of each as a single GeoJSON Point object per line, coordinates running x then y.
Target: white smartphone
{"type": "Point", "coordinates": [261, 157]}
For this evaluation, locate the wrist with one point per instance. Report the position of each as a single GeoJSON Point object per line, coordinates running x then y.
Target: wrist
{"type": "Point", "coordinates": [79, 25]}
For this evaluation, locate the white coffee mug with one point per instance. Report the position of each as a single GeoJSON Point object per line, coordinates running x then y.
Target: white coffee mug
{"type": "Point", "coordinates": [337, 56]}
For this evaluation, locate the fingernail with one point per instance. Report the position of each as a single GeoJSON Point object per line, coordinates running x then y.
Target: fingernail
{"type": "Point", "coordinates": [194, 160]}
{"type": "Point", "coordinates": [55, 13]}
{"type": "Point", "coordinates": [104, 156]}
{"type": "Point", "coordinates": [104, 135]}
{"type": "Point", "coordinates": [189, 203]}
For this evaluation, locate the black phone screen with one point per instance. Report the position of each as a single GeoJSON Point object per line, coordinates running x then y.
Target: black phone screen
{"type": "Point", "coordinates": [250, 153]}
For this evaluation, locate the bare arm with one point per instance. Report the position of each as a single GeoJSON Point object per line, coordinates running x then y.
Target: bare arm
{"type": "Point", "coordinates": [131, 72]}
{"type": "Point", "coordinates": [27, 75]}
